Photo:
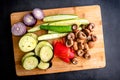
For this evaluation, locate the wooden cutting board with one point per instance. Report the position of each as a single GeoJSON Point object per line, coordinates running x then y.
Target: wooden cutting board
{"type": "Point", "coordinates": [91, 13]}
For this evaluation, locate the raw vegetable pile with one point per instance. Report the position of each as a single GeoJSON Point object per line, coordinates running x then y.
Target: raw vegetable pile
{"type": "Point", "coordinates": [75, 39]}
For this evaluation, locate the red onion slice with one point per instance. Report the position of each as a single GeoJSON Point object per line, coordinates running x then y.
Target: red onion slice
{"type": "Point", "coordinates": [29, 20]}
{"type": "Point", "coordinates": [38, 13]}
{"type": "Point", "coordinates": [18, 29]}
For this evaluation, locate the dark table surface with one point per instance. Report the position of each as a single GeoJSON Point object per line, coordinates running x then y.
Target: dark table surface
{"type": "Point", "coordinates": [111, 27]}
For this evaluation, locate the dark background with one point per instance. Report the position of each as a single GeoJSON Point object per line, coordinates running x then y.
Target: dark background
{"type": "Point", "coordinates": [111, 27]}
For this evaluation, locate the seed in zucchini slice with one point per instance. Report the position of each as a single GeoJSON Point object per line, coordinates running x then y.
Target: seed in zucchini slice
{"type": "Point", "coordinates": [46, 54]}
{"type": "Point", "coordinates": [43, 65]}
{"type": "Point", "coordinates": [40, 45]}
{"type": "Point", "coordinates": [26, 55]}
{"type": "Point", "coordinates": [27, 43]}
{"type": "Point", "coordinates": [30, 63]}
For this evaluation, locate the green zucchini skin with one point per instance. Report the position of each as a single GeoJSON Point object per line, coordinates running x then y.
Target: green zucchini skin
{"type": "Point", "coordinates": [59, 29]}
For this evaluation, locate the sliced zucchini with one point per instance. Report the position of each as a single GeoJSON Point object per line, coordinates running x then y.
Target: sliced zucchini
{"type": "Point", "coordinates": [40, 45]}
{"type": "Point", "coordinates": [26, 55]}
{"type": "Point", "coordinates": [30, 62]}
{"type": "Point", "coordinates": [46, 53]}
{"type": "Point", "coordinates": [43, 65]}
{"type": "Point", "coordinates": [51, 36]}
{"type": "Point", "coordinates": [27, 43]}
{"type": "Point", "coordinates": [59, 17]}
{"type": "Point", "coordinates": [32, 35]}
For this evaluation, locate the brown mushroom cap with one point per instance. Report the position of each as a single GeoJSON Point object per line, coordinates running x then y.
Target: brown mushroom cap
{"type": "Point", "coordinates": [80, 52]}
{"type": "Point", "coordinates": [87, 32]}
{"type": "Point", "coordinates": [74, 27]}
{"type": "Point", "coordinates": [69, 43]}
{"type": "Point", "coordinates": [87, 55]}
{"type": "Point", "coordinates": [86, 46]}
{"type": "Point", "coordinates": [71, 36]}
{"type": "Point", "coordinates": [75, 45]}
{"type": "Point", "coordinates": [80, 45]}
{"type": "Point", "coordinates": [74, 60]}
{"type": "Point", "coordinates": [91, 26]}
{"type": "Point", "coordinates": [91, 44]}
{"type": "Point", "coordinates": [81, 35]}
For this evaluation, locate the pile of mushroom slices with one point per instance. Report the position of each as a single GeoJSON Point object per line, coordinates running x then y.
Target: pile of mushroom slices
{"type": "Point", "coordinates": [81, 41]}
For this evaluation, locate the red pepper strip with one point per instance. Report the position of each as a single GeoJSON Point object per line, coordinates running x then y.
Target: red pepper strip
{"type": "Point", "coordinates": [67, 60]}
{"type": "Point", "coordinates": [63, 52]}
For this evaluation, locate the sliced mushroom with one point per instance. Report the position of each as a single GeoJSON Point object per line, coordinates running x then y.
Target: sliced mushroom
{"type": "Point", "coordinates": [86, 46]}
{"type": "Point", "coordinates": [81, 35]}
{"type": "Point", "coordinates": [91, 26]}
{"type": "Point", "coordinates": [87, 55]}
{"type": "Point", "coordinates": [87, 32]}
{"type": "Point", "coordinates": [71, 36]}
{"type": "Point", "coordinates": [80, 52]}
{"type": "Point", "coordinates": [74, 27]}
{"type": "Point", "coordinates": [75, 45]}
{"type": "Point", "coordinates": [80, 41]}
{"type": "Point", "coordinates": [74, 60]}
{"type": "Point", "coordinates": [69, 42]}
{"type": "Point", "coordinates": [80, 45]}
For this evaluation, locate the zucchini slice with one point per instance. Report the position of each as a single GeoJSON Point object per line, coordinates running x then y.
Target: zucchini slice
{"type": "Point", "coordinates": [46, 53]}
{"type": "Point", "coordinates": [32, 35]}
{"type": "Point", "coordinates": [43, 65]}
{"type": "Point", "coordinates": [26, 55]}
{"type": "Point", "coordinates": [27, 43]}
{"type": "Point", "coordinates": [40, 45]}
{"type": "Point", "coordinates": [30, 62]}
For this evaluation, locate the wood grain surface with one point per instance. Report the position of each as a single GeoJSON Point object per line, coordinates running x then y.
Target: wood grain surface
{"type": "Point", "coordinates": [91, 13]}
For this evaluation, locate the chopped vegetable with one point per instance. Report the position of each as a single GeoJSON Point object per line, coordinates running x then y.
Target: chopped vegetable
{"type": "Point", "coordinates": [27, 43]}
{"type": "Point", "coordinates": [18, 29]}
{"type": "Point", "coordinates": [44, 65]}
{"type": "Point", "coordinates": [38, 13]}
{"type": "Point", "coordinates": [40, 45]}
{"type": "Point", "coordinates": [46, 53]}
{"type": "Point", "coordinates": [29, 20]}
{"type": "Point", "coordinates": [63, 52]}
{"type": "Point", "coordinates": [51, 36]}
{"type": "Point", "coordinates": [30, 63]}
{"type": "Point", "coordinates": [60, 29]}
{"type": "Point", "coordinates": [59, 17]}
{"type": "Point", "coordinates": [26, 55]}
{"type": "Point", "coordinates": [36, 28]}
